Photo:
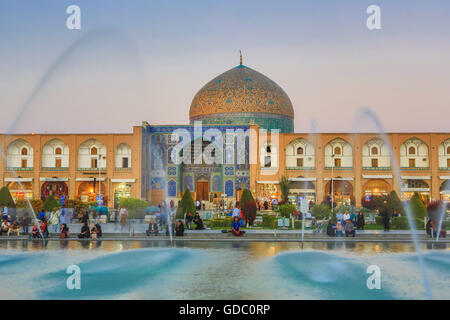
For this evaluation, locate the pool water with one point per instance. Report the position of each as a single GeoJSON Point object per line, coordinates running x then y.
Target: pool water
{"type": "Point", "coordinates": [219, 270]}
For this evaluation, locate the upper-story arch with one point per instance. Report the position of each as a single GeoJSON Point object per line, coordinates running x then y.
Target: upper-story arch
{"type": "Point", "coordinates": [376, 155]}
{"type": "Point", "coordinates": [414, 154]}
{"type": "Point", "coordinates": [300, 153]}
{"type": "Point", "coordinates": [92, 155]}
{"type": "Point", "coordinates": [19, 155]}
{"type": "Point", "coordinates": [338, 154]}
{"type": "Point", "coordinates": [123, 156]}
{"type": "Point", "coordinates": [55, 154]}
{"type": "Point", "coordinates": [444, 154]}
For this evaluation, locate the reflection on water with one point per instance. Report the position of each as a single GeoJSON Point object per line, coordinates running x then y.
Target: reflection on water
{"type": "Point", "coordinates": [256, 249]}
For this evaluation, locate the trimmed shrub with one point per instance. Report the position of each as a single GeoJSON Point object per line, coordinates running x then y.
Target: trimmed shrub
{"type": "Point", "coordinates": [50, 204]}
{"type": "Point", "coordinates": [379, 220]}
{"type": "Point", "coordinates": [187, 203]}
{"type": "Point", "coordinates": [35, 203]}
{"type": "Point", "coordinates": [286, 210]}
{"type": "Point", "coordinates": [321, 211]}
{"type": "Point", "coordinates": [285, 183]}
{"type": "Point", "coordinates": [418, 209]}
{"type": "Point", "coordinates": [248, 206]}
{"type": "Point", "coordinates": [269, 221]}
{"type": "Point", "coordinates": [395, 204]}
{"type": "Point", "coordinates": [131, 203]}
{"type": "Point", "coordinates": [297, 224]}
{"type": "Point", "coordinates": [401, 223]}
{"type": "Point", "coordinates": [6, 199]}
{"type": "Point", "coordinates": [221, 223]}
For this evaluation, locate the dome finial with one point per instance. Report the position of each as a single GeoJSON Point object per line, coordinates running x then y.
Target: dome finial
{"type": "Point", "coordinates": [240, 53]}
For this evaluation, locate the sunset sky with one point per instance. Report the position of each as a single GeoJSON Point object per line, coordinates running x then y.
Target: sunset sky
{"type": "Point", "coordinates": [141, 60]}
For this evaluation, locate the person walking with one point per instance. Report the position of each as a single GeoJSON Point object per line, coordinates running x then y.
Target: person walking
{"type": "Point", "coordinates": [123, 216]}
{"type": "Point", "coordinates": [25, 225]}
{"type": "Point", "coordinates": [360, 221]}
{"type": "Point", "coordinates": [188, 220]}
{"type": "Point", "coordinates": [5, 212]}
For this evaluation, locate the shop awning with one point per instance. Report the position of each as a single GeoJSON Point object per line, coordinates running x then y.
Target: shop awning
{"type": "Point", "coordinates": [18, 179]}
{"type": "Point", "coordinates": [89, 179]}
{"type": "Point", "coordinates": [54, 179]}
{"type": "Point", "coordinates": [339, 179]}
{"type": "Point", "coordinates": [416, 177]}
{"type": "Point", "coordinates": [302, 179]}
{"type": "Point", "coordinates": [302, 191]}
{"type": "Point", "coordinates": [375, 176]}
{"type": "Point", "coordinates": [415, 189]}
{"type": "Point", "coordinates": [268, 182]}
{"type": "Point", "coordinates": [123, 180]}
{"type": "Point", "coordinates": [444, 177]}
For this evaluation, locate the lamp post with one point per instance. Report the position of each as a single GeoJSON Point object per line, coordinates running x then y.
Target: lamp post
{"type": "Point", "coordinates": [99, 182]}
{"type": "Point", "coordinates": [332, 184]}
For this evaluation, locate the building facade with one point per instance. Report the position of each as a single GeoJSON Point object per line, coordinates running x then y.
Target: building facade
{"type": "Point", "coordinates": [358, 164]}
{"type": "Point", "coordinates": [73, 166]}
{"type": "Point", "coordinates": [240, 136]}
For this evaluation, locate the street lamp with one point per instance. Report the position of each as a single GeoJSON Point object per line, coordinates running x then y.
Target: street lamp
{"type": "Point", "coordinates": [100, 157]}
{"type": "Point", "coordinates": [332, 184]}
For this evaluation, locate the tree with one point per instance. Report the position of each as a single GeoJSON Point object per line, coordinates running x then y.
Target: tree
{"type": "Point", "coordinates": [6, 199]}
{"type": "Point", "coordinates": [285, 183]}
{"type": "Point", "coordinates": [248, 206]}
{"type": "Point", "coordinates": [321, 211]}
{"type": "Point", "coordinates": [50, 204]}
{"type": "Point", "coordinates": [286, 210]}
{"type": "Point", "coordinates": [418, 209]}
{"type": "Point", "coordinates": [187, 203]}
{"type": "Point", "coordinates": [395, 203]}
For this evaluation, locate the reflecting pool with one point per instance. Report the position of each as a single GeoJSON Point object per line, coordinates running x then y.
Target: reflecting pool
{"type": "Point", "coordinates": [220, 270]}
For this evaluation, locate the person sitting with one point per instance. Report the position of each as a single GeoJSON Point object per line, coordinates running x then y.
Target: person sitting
{"type": "Point", "coordinates": [331, 229]}
{"type": "Point", "coordinates": [198, 222]}
{"type": "Point", "coordinates": [339, 229]}
{"type": "Point", "coordinates": [14, 227]}
{"type": "Point", "coordinates": [98, 227]}
{"type": "Point", "coordinates": [85, 234]}
{"type": "Point", "coordinates": [35, 231]}
{"type": "Point", "coordinates": [94, 232]}
{"type": "Point", "coordinates": [349, 228]}
{"type": "Point", "coordinates": [64, 232]}
{"type": "Point", "coordinates": [152, 228]}
{"type": "Point", "coordinates": [44, 229]}
{"type": "Point", "coordinates": [179, 229]}
{"type": "Point", "coordinates": [5, 226]}
{"type": "Point", "coordinates": [236, 227]}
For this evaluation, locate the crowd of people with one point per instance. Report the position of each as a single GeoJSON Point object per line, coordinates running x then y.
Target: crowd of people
{"type": "Point", "coordinates": [345, 223]}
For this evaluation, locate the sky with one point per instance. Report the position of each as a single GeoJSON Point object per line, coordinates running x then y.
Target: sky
{"type": "Point", "coordinates": [144, 60]}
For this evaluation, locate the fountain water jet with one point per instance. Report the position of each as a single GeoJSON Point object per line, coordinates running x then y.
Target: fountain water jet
{"type": "Point", "coordinates": [370, 114]}
{"type": "Point", "coordinates": [54, 67]}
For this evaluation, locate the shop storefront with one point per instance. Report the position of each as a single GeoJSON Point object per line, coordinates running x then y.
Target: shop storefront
{"type": "Point", "coordinates": [90, 189]}
{"type": "Point", "coordinates": [410, 186]}
{"type": "Point", "coordinates": [56, 187]}
{"type": "Point", "coordinates": [268, 191]}
{"type": "Point", "coordinates": [302, 188]}
{"type": "Point", "coordinates": [445, 191]}
{"type": "Point", "coordinates": [342, 190]}
{"type": "Point", "coordinates": [122, 189]}
{"type": "Point", "coordinates": [20, 188]}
